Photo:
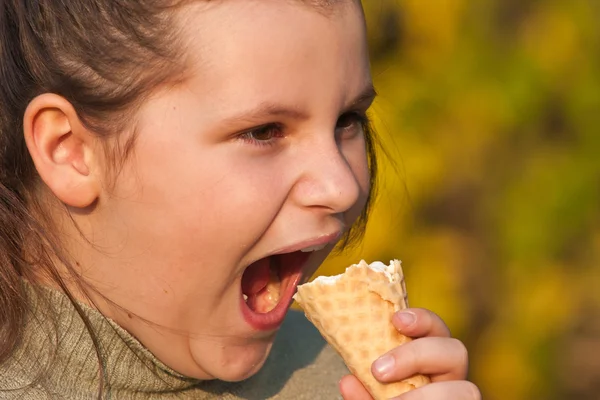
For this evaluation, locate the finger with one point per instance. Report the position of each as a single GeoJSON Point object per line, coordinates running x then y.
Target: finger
{"type": "Point", "coordinates": [452, 390]}
{"type": "Point", "coordinates": [443, 359]}
{"type": "Point", "coordinates": [419, 322]}
{"type": "Point", "coordinates": [352, 389]}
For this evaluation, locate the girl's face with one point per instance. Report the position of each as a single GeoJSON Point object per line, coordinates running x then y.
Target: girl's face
{"type": "Point", "coordinates": [259, 155]}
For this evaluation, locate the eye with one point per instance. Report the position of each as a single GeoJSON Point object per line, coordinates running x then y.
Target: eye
{"type": "Point", "coordinates": [352, 121]}
{"type": "Point", "coordinates": [263, 135]}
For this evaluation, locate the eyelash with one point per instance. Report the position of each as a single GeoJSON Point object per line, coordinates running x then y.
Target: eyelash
{"type": "Point", "coordinates": [358, 118]}
{"type": "Point", "coordinates": [250, 136]}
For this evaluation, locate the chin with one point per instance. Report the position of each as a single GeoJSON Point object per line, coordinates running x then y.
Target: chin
{"type": "Point", "coordinates": [233, 363]}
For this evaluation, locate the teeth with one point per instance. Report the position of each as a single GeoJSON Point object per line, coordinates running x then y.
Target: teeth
{"type": "Point", "coordinates": [313, 248]}
{"type": "Point", "coordinates": [245, 297]}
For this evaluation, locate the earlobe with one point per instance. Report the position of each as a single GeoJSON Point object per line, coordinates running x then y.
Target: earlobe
{"type": "Point", "coordinates": [62, 149]}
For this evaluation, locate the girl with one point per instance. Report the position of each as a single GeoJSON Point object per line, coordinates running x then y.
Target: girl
{"type": "Point", "coordinates": [161, 160]}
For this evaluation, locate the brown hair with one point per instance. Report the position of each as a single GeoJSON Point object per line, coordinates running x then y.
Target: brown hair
{"type": "Point", "coordinates": [105, 57]}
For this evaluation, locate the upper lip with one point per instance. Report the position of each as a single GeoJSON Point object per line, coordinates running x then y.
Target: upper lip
{"type": "Point", "coordinates": [315, 241]}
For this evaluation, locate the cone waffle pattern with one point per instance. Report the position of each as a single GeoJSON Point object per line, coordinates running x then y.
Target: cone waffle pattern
{"type": "Point", "coordinates": [354, 314]}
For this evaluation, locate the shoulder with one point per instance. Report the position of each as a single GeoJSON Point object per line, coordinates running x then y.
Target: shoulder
{"type": "Point", "coordinates": [17, 384]}
{"type": "Point", "coordinates": [301, 365]}
{"type": "Point", "coordinates": [23, 375]}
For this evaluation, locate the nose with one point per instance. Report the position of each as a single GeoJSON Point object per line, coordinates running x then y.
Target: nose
{"type": "Point", "coordinates": [330, 178]}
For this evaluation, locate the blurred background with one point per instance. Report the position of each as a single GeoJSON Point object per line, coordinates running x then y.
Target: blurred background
{"type": "Point", "coordinates": [490, 113]}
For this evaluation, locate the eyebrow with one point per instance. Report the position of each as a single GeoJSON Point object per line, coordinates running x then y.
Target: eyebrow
{"type": "Point", "coordinates": [265, 111]}
{"type": "Point", "coordinates": [366, 96]}
{"type": "Point", "coordinates": [268, 110]}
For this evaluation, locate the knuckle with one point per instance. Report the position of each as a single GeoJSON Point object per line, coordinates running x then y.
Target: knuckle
{"type": "Point", "coordinates": [435, 323]}
{"type": "Point", "coordinates": [407, 357]}
{"type": "Point", "coordinates": [413, 354]}
{"type": "Point", "coordinates": [473, 391]}
{"type": "Point", "coordinates": [427, 315]}
{"type": "Point", "coordinates": [462, 356]}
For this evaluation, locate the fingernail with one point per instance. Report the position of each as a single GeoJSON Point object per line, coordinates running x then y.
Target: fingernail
{"type": "Point", "coordinates": [406, 318]}
{"type": "Point", "coordinates": [384, 365]}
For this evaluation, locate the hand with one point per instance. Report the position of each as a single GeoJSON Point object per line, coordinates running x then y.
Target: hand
{"type": "Point", "coordinates": [433, 353]}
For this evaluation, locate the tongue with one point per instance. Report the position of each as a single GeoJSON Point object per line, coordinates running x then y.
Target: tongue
{"type": "Point", "coordinates": [256, 277]}
{"type": "Point", "coordinates": [261, 284]}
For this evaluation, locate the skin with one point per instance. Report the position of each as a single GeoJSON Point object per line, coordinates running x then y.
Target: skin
{"type": "Point", "coordinates": [200, 198]}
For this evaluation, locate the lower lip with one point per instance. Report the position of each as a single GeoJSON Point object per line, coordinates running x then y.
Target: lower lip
{"type": "Point", "coordinates": [274, 318]}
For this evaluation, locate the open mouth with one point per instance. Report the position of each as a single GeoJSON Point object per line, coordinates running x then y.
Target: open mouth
{"type": "Point", "coordinates": [268, 286]}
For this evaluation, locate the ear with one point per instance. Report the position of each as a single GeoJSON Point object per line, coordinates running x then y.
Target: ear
{"type": "Point", "coordinates": [62, 149]}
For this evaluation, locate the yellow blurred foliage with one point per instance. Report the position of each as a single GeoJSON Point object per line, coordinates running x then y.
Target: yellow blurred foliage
{"type": "Point", "coordinates": [431, 27]}
{"type": "Point", "coordinates": [496, 378]}
{"type": "Point", "coordinates": [565, 48]}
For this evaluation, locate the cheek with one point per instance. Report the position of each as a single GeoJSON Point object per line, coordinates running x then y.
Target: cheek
{"type": "Point", "coordinates": [240, 204]}
{"type": "Point", "coordinates": [355, 153]}
{"type": "Point", "coordinates": [197, 195]}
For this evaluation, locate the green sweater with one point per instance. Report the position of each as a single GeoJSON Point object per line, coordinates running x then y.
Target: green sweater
{"type": "Point", "coordinates": [57, 348]}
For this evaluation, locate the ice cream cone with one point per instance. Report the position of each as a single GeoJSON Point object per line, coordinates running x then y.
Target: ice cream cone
{"type": "Point", "coordinates": [353, 311]}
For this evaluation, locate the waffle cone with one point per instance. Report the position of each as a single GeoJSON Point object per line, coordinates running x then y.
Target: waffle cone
{"type": "Point", "coordinates": [353, 312]}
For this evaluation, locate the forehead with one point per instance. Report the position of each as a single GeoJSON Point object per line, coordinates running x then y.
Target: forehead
{"type": "Point", "coordinates": [250, 49]}
{"type": "Point", "coordinates": [328, 7]}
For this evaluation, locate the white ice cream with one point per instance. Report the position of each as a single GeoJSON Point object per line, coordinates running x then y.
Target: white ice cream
{"type": "Point", "coordinates": [328, 280]}
{"type": "Point", "coordinates": [378, 266]}
{"type": "Point", "coordinates": [387, 270]}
